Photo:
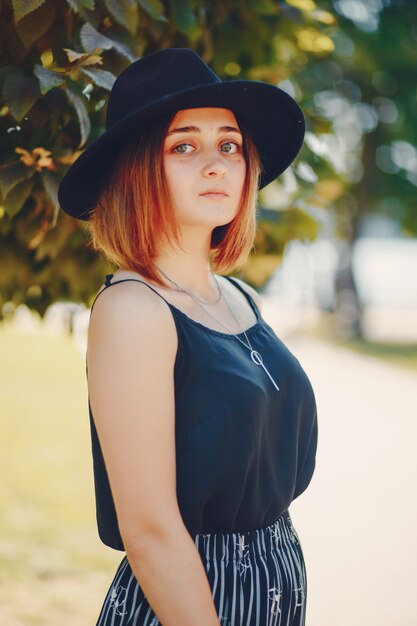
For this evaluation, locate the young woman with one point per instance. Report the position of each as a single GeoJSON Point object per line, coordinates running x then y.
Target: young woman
{"type": "Point", "coordinates": [203, 423]}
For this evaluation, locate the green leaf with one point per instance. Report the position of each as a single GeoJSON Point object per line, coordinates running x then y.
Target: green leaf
{"type": "Point", "coordinates": [51, 183]}
{"type": "Point", "coordinates": [101, 78]}
{"type": "Point", "coordinates": [184, 16]}
{"type": "Point", "coordinates": [11, 174]}
{"type": "Point", "coordinates": [20, 93]}
{"type": "Point", "coordinates": [91, 39]}
{"type": "Point", "coordinates": [56, 239]}
{"type": "Point", "coordinates": [17, 197]}
{"type": "Point", "coordinates": [35, 25]}
{"type": "Point", "coordinates": [125, 12]}
{"type": "Point", "coordinates": [82, 114]}
{"type": "Point", "coordinates": [77, 5]}
{"type": "Point", "coordinates": [267, 7]}
{"type": "Point", "coordinates": [4, 27]}
{"type": "Point", "coordinates": [24, 7]}
{"type": "Point", "coordinates": [154, 8]}
{"type": "Point", "coordinates": [47, 79]}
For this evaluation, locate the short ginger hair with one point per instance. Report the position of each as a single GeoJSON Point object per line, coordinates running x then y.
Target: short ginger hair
{"type": "Point", "coordinates": [134, 209]}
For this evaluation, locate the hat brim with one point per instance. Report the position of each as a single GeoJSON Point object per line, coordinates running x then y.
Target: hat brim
{"type": "Point", "coordinates": [274, 120]}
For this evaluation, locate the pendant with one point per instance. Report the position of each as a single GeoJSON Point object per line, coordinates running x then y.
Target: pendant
{"type": "Point", "coordinates": [256, 358]}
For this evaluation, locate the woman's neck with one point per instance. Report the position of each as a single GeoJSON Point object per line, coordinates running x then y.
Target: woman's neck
{"type": "Point", "coordinates": [188, 266]}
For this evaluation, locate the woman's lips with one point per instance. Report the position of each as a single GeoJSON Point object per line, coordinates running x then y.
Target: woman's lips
{"type": "Point", "coordinates": [216, 195]}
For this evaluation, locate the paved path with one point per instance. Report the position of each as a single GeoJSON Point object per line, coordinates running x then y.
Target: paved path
{"type": "Point", "coordinates": [357, 521]}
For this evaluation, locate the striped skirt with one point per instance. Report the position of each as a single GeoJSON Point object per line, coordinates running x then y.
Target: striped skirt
{"type": "Point", "coordinates": [257, 578]}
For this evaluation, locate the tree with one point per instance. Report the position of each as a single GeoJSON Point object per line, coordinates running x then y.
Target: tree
{"type": "Point", "coordinates": [59, 59]}
{"type": "Point", "coordinates": [380, 84]}
{"type": "Point", "coordinates": [365, 92]}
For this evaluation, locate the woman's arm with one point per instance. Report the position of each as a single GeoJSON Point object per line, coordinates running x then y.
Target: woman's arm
{"type": "Point", "coordinates": [132, 344]}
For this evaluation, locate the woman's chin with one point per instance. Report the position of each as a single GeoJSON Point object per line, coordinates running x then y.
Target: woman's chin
{"type": "Point", "coordinates": [210, 219]}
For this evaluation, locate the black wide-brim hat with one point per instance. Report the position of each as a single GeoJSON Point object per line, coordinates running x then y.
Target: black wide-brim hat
{"type": "Point", "coordinates": [171, 80]}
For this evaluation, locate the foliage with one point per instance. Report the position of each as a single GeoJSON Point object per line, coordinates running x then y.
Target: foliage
{"type": "Point", "coordinates": [59, 59]}
{"type": "Point", "coordinates": [379, 83]}
{"type": "Point", "coordinates": [365, 93]}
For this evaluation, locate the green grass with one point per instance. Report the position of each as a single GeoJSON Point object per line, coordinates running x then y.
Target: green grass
{"type": "Point", "coordinates": [54, 570]}
{"type": "Point", "coordinates": [401, 354]}
{"type": "Point", "coordinates": [396, 354]}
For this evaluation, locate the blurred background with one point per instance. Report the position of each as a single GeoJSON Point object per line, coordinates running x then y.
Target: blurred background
{"type": "Point", "coordinates": [335, 262]}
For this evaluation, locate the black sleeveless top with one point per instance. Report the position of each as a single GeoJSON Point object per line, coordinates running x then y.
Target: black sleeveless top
{"type": "Point", "coordinates": [244, 450]}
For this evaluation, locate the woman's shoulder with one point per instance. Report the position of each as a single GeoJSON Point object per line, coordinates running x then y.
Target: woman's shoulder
{"type": "Point", "coordinates": [119, 301]}
{"type": "Point", "coordinates": [129, 319]}
{"type": "Point", "coordinates": [250, 290]}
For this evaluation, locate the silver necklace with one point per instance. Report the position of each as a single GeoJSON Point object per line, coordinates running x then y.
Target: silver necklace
{"type": "Point", "coordinates": [195, 297]}
{"type": "Point", "coordinates": [255, 355]}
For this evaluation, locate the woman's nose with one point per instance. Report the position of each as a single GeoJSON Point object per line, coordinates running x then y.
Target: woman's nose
{"type": "Point", "coordinates": [214, 166]}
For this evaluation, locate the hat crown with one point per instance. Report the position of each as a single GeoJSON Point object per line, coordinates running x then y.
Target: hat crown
{"type": "Point", "coordinates": [154, 77]}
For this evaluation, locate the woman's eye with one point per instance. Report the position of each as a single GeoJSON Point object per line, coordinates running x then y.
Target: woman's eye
{"type": "Point", "coordinates": [228, 147]}
{"type": "Point", "coordinates": [182, 148]}
{"type": "Point", "coordinates": [231, 147]}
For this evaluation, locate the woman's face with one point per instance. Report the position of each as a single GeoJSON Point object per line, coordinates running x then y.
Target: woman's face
{"type": "Point", "coordinates": [204, 166]}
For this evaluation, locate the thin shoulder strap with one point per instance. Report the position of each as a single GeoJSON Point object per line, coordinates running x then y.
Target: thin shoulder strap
{"type": "Point", "coordinates": [108, 283]}
{"type": "Point", "coordinates": [245, 293]}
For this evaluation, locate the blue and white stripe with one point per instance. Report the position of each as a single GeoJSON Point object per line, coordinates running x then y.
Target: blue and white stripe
{"type": "Point", "coordinates": [257, 578]}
